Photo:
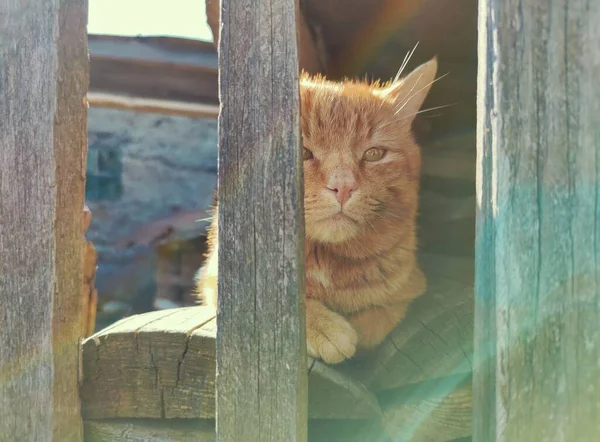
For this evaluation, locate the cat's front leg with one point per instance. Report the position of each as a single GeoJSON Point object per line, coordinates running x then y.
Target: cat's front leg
{"type": "Point", "coordinates": [329, 336]}
{"type": "Point", "coordinates": [374, 324]}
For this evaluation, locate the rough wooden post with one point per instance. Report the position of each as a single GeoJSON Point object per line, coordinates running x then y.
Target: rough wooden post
{"type": "Point", "coordinates": [261, 361]}
{"type": "Point", "coordinates": [43, 144]}
{"type": "Point", "coordinates": [537, 370]}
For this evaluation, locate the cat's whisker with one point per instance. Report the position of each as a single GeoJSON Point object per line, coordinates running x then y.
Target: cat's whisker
{"type": "Point", "coordinates": [435, 115]}
{"type": "Point", "coordinates": [407, 58]}
{"type": "Point", "coordinates": [420, 90]}
{"type": "Point", "coordinates": [387, 215]}
{"type": "Point", "coordinates": [428, 110]}
{"type": "Point", "coordinates": [410, 92]}
{"type": "Point", "coordinates": [405, 117]}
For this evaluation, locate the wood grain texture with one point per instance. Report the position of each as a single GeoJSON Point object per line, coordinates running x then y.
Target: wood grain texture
{"type": "Point", "coordinates": [261, 346]}
{"type": "Point", "coordinates": [310, 56]}
{"type": "Point", "coordinates": [162, 364]}
{"type": "Point", "coordinates": [70, 150]}
{"type": "Point", "coordinates": [197, 430]}
{"type": "Point", "coordinates": [150, 430]}
{"type": "Point", "coordinates": [435, 411]}
{"type": "Point", "coordinates": [43, 144]}
{"type": "Point", "coordinates": [537, 375]}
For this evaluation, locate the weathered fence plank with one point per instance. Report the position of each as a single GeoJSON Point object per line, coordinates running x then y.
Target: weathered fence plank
{"type": "Point", "coordinates": [537, 376]}
{"type": "Point", "coordinates": [43, 144]}
{"type": "Point", "coordinates": [261, 360]}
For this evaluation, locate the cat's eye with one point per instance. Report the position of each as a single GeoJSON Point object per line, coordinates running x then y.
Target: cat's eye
{"type": "Point", "coordinates": [374, 154]}
{"type": "Point", "coordinates": [307, 154]}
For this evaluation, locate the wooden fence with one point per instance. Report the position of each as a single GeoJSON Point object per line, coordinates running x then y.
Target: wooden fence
{"type": "Point", "coordinates": [43, 145]}
{"type": "Point", "coordinates": [536, 373]}
{"type": "Point", "coordinates": [261, 350]}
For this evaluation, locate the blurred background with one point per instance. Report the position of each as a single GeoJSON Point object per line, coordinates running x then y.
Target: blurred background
{"type": "Point", "coordinates": [150, 175]}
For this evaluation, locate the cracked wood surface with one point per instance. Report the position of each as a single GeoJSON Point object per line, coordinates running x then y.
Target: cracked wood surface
{"type": "Point", "coordinates": [162, 365]}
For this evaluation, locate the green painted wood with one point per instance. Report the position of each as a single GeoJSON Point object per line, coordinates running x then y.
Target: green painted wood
{"type": "Point", "coordinates": [537, 341]}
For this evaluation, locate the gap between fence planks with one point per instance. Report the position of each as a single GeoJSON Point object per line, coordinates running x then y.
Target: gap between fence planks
{"type": "Point", "coordinates": [43, 144]}
{"type": "Point", "coordinates": [261, 349]}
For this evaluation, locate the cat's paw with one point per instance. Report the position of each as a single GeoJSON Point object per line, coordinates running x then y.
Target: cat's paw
{"type": "Point", "coordinates": [331, 339]}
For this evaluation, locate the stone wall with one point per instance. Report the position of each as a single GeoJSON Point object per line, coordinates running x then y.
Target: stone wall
{"type": "Point", "coordinates": [141, 168]}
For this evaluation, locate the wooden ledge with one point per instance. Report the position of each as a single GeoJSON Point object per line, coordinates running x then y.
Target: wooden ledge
{"type": "Point", "coordinates": [162, 365]}
{"type": "Point", "coordinates": [141, 430]}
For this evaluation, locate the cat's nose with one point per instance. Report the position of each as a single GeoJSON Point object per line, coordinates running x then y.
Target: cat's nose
{"type": "Point", "coordinates": [342, 189]}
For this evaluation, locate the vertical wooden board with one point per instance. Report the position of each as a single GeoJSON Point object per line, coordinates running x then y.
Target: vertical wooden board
{"type": "Point", "coordinates": [70, 150]}
{"type": "Point", "coordinates": [261, 360]}
{"type": "Point", "coordinates": [311, 56]}
{"type": "Point", "coordinates": [484, 364]}
{"type": "Point", "coordinates": [537, 375]}
{"type": "Point", "coordinates": [43, 83]}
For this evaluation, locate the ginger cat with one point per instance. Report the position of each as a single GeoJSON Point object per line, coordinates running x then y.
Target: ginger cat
{"type": "Point", "coordinates": [361, 177]}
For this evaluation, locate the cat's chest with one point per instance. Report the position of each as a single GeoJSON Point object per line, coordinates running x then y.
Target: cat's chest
{"type": "Point", "coordinates": [345, 289]}
{"type": "Point", "coordinates": [332, 276]}
{"type": "Point", "coordinates": [320, 276]}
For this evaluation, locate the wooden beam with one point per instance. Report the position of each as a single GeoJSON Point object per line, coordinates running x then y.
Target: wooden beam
{"type": "Point", "coordinates": [163, 50]}
{"type": "Point", "coordinates": [162, 364]}
{"type": "Point", "coordinates": [157, 80]}
{"type": "Point", "coordinates": [146, 430]}
{"type": "Point", "coordinates": [196, 430]}
{"type": "Point", "coordinates": [261, 347]}
{"type": "Point", "coordinates": [43, 144]}
{"type": "Point", "coordinates": [167, 107]}
{"type": "Point", "coordinates": [162, 68]}
{"type": "Point", "coordinates": [537, 341]}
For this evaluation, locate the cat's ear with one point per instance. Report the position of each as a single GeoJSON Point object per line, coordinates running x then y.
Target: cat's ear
{"type": "Point", "coordinates": [410, 92]}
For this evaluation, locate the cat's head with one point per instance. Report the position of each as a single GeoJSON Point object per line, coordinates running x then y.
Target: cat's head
{"type": "Point", "coordinates": [361, 162]}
